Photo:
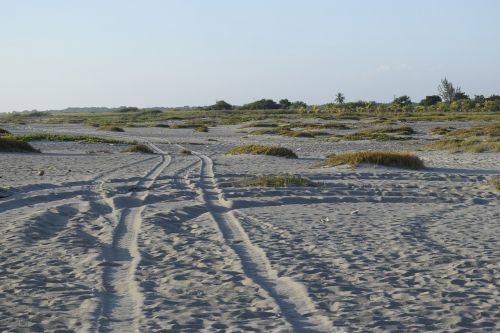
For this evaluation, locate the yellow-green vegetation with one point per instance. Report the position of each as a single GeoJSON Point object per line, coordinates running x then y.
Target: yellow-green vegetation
{"type": "Point", "coordinates": [380, 134]}
{"type": "Point", "coordinates": [286, 131]}
{"type": "Point", "coordinates": [201, 129]}
{"type": "Point", "coordinates": [496, 183]}
{"type": "Point", "coordinates": [278, 181]}
{"type": "Point", "coordinates": [262, 150]}
{"type": "Point", "coordinates": [60, 137]}
{"type": "Point", "coordinates": [475, 139]}
{"type": "Point", "coordinates": [440, 130]}
{"type": "Point", "coordinates": [3, 131]}
{"type": "Point", "coordinates": [186, 151]}
{"type": "Point", "coordinates": [261, 124]}
{"type": "Point", "coordinates": [162, 125]}
{"type": "Point", "coordinates": [111, 128]}
{"type": "Point", "coordinates": [9, 145]}
{"type": "Point", "coordinates": [140, 148]}
{"type": "Point", "coordinates": [396, 159]}
{"type": "Point", "coordinates": [492, 130]}
{"type": "Point", "coordinates": [195, 123]}
{"type": "Point", "coordinates": [473, 145]}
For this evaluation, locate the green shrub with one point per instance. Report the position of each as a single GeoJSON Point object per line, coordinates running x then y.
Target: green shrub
{"type": "Point", "coordinates": [201, 129]}
{"type": "Point", "coordinates": [380, 134]}
{"type": "Point", "coordinates": [140, 148]}
{"type": "Point", "coordinates": [386, 158]}
{"type": "Point", "coordinates": [8, 145]}
{"type": "Point", "coordinates": [439, 130]}
{"type": "Point", "coordinates": [111, 128]}
{"type": "Point", "coordinates": [473, 145]}
{"type": "Point", "coordinates": [186, 151]}
{"type": "Point", "coordinates": [60, 137]}
{"type": "Point", "coordinates": [262, 150]}
{"type": "Point", "coordinates": [278, 181]}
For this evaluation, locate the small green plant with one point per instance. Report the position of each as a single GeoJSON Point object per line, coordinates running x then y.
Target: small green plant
{"type": "Point", "coordinates": [439, 130]}
{"type": "Point", "coordinates": [201, 129]}
{"type": "Point", "coordinates": [185, 151]}
{"type": "Point", "coordinates": [262, 150]}
{"type": "Point", "coordinates": [60, 137]}
{"type": "Point", "coordinates": [380, 134]}
{"type": "Point", "coordinates": [472, 145]}
{"type": "Point", "coordinates": [386, 158]}
{"type": "Point", "coordinates": [140, 148]}
{"type": "Point", "coordinates": [496, 183]}
{"type": "Point", "coordinates": [260, 124]}
{"type": "Point", "coordinates": [3, 131]}
{"type": "Point", "coordinates": [111, 128]}
{"type": "Point", "coordinates": [8, 145]}
{"type": "Point", "coordinates": [278, 181]}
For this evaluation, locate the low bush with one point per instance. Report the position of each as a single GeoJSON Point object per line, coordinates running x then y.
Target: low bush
{"type": "Point", "coordinates": [473, 145]}
{"type": "Point", "coordinates": [386, 158]}
{"type": "Point", "coordinates": [140, 148]}
{"type": "Point", "coordinates": [186, 151]}
{"type": "Point", "coordinates": [60, 137]}
{"type": "Point", "coordinates": [111, 128]}
{"type": "Point", "coordinates": [8, 145]}
{"type": "Point", "coordinates": [278, 181]}
{"type": "Point", "coordinates": [262, 150]}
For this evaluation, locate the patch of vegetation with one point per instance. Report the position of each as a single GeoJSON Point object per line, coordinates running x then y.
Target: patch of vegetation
{"type": "Point", "coordinates": [386, 158]}
{"type": "Point", "coordinates": [278, 181]}
{"type": "Point", "coordinates": [60, 137]}
{"type": "Point", "coordinates": [496, 183]}
{"type": "Point", "coordinates": [186, 151]}
{"type": "Point", "coordinates": [473, 145]}
{"type": "Point", "coordinates": [201, 129]}
{"type": "Point", "coordinates": [162, 125]}
{"type": "Point", "coordinates": [380, 134]}
{"type": "Point", "coordinates": [3, 131]}
{"type": "Point", "coordinates": [111, 128]}
{"type": "Point", "coordinates": [492, 130]}
{"type": "Point", "coordinates": [140, 148]}
{"type": "Point", "coordinates": [8, 145]}
{"type": "Point", "coordinates": [440, 130]}
{"type": "Point", "coordinates": [261, 124]}
{"type": "Point", "coordinates": [195, 123]}
{"type": "Point", "coordinates": [262, 150]}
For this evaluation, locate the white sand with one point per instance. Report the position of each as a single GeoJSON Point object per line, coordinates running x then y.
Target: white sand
{"type": "Point", "coordinates": [108, 241]}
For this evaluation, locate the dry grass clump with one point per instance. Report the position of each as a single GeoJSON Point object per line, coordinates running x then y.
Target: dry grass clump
{"type": "Point", "coordinates": [201, 129]}
{"type": "Point", "coordinates": [278, 181]}
{"type": "Point", "coordinates": [60, 137]}
{"type": "Point", "coordinates": [186, 151]}
{"type": "Point", "coordinates": [496, 183]}
{"type": "Point", "coordinates": [3, 131]}
{"type": "Point", "coordinates": [386, 158]}
{"type": "Point", "coordinates": [262, 150]}
{"type": "Point", "coordinates": [111, 128]}
{"type": "Point", "coordinates": [380, 134]}
{"type": "Point", "coordinates": [195, 123]}
{"type": "Point", "coordinates": [8, 145]}
{"type": "Point", "coordinates": [162, 125]}
{"type": "Point", "coordinates": [140, 148]}
{"type": "Point", "coordinates": [260, 124]}
{"type": "Point", "coordinates": [440, 130]}
{"type": "Point", "coordinates": [472, 145]}
{"type": "Point", "coordinates": [492, 130]}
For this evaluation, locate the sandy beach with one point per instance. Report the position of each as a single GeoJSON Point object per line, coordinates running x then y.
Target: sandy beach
{"type": "Point", "coordinates": [107, 241]}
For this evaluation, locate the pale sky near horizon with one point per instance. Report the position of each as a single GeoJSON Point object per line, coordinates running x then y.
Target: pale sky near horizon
{"type": "Point", "coordinates": [56, 53]}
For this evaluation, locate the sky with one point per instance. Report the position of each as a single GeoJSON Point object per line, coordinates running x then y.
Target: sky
{"type": "Point", "coordinates": [58, 53]}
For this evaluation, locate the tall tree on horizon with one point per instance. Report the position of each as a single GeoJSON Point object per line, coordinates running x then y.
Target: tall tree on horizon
{"type": "Point", "coordinates": [339, 98]}
{"type": "Point", "coordinates": [447, 91]}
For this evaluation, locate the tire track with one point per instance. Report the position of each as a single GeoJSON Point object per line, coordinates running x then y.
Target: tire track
{"type": "Point", "coordinates": [291, 296]}
{"type": "Point", "coordinates": [121, 300]}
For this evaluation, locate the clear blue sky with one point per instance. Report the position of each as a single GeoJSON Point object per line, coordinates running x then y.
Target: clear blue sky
{"type": "Point", "coordinates": [60, 53]}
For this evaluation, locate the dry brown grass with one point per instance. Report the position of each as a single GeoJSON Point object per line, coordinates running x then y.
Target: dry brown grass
{"type": "Point", "coordinates": [262, 150]}
{"type": "Point", "coordinates": [402, 160]}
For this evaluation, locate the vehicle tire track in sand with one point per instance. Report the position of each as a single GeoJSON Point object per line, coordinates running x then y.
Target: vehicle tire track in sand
{"type": "Point", "coordinates": [291, 296]}
{"type": "Point", "coordinates": [121, 299]}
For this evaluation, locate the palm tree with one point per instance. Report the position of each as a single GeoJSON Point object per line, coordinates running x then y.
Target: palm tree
{"type": "Point", "coordinates": [339, 98]}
